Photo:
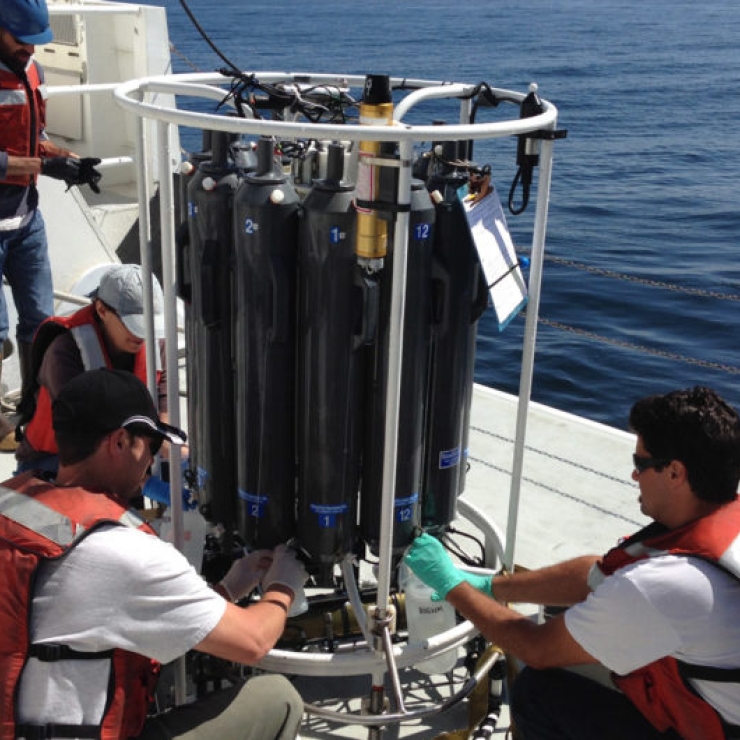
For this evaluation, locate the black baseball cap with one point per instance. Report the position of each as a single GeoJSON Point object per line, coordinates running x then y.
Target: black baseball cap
{"type": "Point", "coordinates": [105, 400]}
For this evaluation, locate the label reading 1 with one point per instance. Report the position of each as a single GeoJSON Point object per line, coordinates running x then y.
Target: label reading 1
{"type": "Point", "coordinates": [327, 515]}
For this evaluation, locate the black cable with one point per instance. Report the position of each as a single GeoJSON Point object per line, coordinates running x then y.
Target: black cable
{"type": "Point", "coordinates": [454, 547]}
{"type": "Point", "coordinates": [314, 111]}
{"type": "Point", "coordinates": [331, 106]}
{"type": "Point", "coordinates": [205, 36]}
{"type": "Point", "coordinates": [512, 192]}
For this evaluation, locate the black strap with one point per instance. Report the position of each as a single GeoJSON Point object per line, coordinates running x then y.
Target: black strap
{"type": "Point", "coordinates": [50, 653]}
{"type": "Point", "coordinates": [708, 673]}
{"type": "Point", "coordinates": [712, 673]}
{"type": "Point", "coordinates": [46, 732]}
{"type": "Point", "coordinates": [383, 205]}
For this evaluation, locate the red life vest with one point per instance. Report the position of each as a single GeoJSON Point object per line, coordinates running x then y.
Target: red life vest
{"type": "Point", "coordinates": [88, 336]}
{"type": "Point", "coordinates": [39, 521]}
{"type": "Point", "coordinates": [661, 690]}
{"type": "Point", "coordinates": [22, 117]}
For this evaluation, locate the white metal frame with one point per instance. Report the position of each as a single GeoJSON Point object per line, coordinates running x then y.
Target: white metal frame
{"type": "Point", "coordinates": [135, 97]}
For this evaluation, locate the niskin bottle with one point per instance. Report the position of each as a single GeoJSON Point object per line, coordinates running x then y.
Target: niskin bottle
{"type": "Point", "coordinates": [459, 296]}
{"type": "Point", "coordinates": [332, 330]}
{"type": "Point", "coordinates": [426, 618]}
{"type": "Point", "coordinates": [266, 240]}
{"type": "Point", "coordinates": [414, 376]}
{"type": "Point", "coordinates": [212, 461]}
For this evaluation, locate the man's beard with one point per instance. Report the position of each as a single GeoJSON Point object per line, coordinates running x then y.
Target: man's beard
{"type": "Point", "coordinates": [16, 62]}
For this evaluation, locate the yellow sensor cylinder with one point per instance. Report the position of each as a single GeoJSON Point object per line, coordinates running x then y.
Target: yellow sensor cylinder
{"type": "Point", "coordinates": [376, 109]}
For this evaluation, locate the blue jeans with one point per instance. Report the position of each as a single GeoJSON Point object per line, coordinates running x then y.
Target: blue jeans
{"type": "Point", "coordinates": [556, 704]}
{"type": "Point", "coordinates": [24, 261]}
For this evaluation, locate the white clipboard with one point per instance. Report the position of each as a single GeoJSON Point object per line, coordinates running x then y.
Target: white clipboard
{"type": "Point", "coordinates": [497, 255]}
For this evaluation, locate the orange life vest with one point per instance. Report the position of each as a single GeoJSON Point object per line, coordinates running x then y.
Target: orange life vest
{"type": "Point", "coordinates": [22, 117]}
{"type": "Point", "coordinates": [89, 339]}
{"type": "Point", "coordinates": [661, 690]}
{"type": "Point", "coordinates": [39, 521]}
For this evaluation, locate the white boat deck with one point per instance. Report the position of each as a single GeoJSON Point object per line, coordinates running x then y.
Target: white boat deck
{"type": "Point", "coordinates": [577, 495]}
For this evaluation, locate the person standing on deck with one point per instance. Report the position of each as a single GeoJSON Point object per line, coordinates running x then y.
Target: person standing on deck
{"type": "Point", "coordinates": [659, 611]}
{"type": "Point", "coordinates": [25, 153]}
{"type": "Point", "coordinates": [95, 601]}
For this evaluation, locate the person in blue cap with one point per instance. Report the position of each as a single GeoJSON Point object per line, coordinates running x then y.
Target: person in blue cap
{"type": "Point", "coordinates": [25, 153]}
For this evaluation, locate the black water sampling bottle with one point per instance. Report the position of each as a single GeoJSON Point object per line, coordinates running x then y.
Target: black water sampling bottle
{"type": "Point", "coordinates": [188, 170]}
{"type": "Point", "coordinates": [459, 297]}
{"type": "Point", "coordinates": [241, 156]}
{"type": "Point", "coordinates": [212, 461]}
{"type": "Point", "coordinates": [331, 334]}
{"type": "Point", "coordinates": [414, 377]}
{"type": "Point", "coordinates": [266, 209]}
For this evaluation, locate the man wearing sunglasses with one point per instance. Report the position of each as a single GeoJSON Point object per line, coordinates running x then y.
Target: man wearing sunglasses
{"type": "Point", "coordinates": [659, 611]}
{"type": "Point", "coordinates": [94, 601]}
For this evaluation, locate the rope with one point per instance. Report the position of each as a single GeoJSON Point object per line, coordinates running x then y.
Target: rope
{"type": "Point", "coordinates": [185, 59]}
{"type": "Point", "coordinates": [643, 281]}
{"type": "Point", "coordinates": [552, 489]}
{"type": "Point", "coordinates": [731, 369]}
{"type": "Point", "coordinates": [661, 284]}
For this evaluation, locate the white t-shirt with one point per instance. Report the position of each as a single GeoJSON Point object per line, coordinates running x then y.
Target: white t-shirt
{"type": "Point", "coordinates": [665, 606]}
{"type": "Point", "coordinates": [118, 588]}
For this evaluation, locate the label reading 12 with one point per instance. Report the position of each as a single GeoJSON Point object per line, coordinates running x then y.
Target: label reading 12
{"type": "Point", "coordinates": [405, 508]}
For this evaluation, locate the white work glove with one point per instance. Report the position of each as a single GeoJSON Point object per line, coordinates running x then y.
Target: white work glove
{"type": "Point", "coordinates": [246, 573]}
{"type": "Point", "coordinates": [286, 570]}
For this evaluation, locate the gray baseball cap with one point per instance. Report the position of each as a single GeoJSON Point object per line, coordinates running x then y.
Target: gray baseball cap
{"type": "Point", "coordinates": [122, 288]}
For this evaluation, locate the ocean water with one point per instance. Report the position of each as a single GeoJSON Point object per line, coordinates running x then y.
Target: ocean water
{"type": "Point", "coordinates": [642, 272]}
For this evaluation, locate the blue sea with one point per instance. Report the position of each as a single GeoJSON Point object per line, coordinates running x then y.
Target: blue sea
{"type": "Point", "coordinates": [642, 272]}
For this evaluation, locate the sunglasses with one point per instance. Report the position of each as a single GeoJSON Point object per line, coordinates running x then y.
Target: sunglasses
{"type": "Point", "coordinates": [154, 442]}
{"type": "Point", "coordinates": [643, 463]}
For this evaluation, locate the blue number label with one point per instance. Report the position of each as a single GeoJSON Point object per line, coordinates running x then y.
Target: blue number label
{"type": "Point", "coordinates": [404, 515]}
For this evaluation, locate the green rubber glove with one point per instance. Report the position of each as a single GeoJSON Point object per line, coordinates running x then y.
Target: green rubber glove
{"type": "Point", "coordinates": [430, 561]}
